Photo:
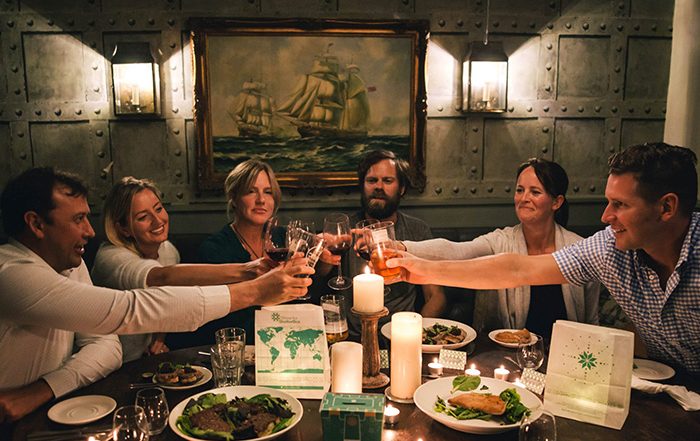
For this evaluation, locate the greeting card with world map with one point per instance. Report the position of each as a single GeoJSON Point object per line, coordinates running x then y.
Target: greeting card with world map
{"type": "Point", "coordinates": [291, 351]}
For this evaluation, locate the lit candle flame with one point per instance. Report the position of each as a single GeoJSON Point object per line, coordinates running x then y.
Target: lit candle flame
{"type": "Point", "coordinates": [367, 269]}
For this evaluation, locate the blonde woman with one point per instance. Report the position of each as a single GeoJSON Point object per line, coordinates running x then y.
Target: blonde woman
{"type": "Point", "coordinates": [137, 254]}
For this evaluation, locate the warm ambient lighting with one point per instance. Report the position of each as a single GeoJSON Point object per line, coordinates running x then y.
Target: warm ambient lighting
{"type": "Point", "coordinates": [136, 80]}
{"type": "Point", "coordinates": [485, 75]}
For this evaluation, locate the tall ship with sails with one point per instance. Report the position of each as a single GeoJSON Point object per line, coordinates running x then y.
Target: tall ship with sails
{"type": "Point", "coordinates": [326, 103]}
{"type": "Point", "coordinates": [252, 110]}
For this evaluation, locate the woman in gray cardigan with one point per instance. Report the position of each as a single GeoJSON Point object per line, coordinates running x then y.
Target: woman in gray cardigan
{"type": "Point", "coordinates": [541, 207]}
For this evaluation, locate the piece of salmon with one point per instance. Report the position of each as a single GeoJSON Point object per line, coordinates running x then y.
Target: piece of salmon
{"type": "Point", "coordinates": [491, 404]}
{"type": "Point", "coordinates": [520, 336]}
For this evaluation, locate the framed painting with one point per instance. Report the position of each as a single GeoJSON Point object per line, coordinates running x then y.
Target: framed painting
{"type": "Point", "coordinates": [310, 97]}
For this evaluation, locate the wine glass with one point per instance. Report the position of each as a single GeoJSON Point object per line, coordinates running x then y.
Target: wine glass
{"type": "Point", "coordinates": [129, 424]}
{"type": "Point", "coordinates": [358, 233]}
{"type": "Point", "coordinates": [302, 241]}
{"type": "Point", "coordinates": [531, 355]}
{"type": "Point", "coordinates": [338, 236]}
{"type": "Point", "coordinates": [544, 428]}
{"type": "Point", "coordinates": [154, 404]}
{"type": "Point", "coordinates": [274, 240]}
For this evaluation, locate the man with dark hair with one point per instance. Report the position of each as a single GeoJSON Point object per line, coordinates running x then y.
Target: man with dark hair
{"type": "Point", "coordinates": [383, 180]}
{"type": "Point", "coordinates": [648, 257]}
{"type": "Point", "coordinates": [48, 303]}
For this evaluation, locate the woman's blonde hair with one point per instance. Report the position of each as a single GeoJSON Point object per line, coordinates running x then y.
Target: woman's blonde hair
{"type": "Point", "coordinates": [117, 209]}
{"type": "Point", "coordinates": [242, 177]}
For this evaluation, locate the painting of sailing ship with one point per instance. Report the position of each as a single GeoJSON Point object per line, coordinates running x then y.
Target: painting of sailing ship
{"type": "Point", "coordinates": [309, 103]}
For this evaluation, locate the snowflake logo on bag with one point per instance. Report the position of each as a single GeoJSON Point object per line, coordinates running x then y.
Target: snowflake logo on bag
{"type": "Point", "coordinates": [587, 360]}
{"type": "Point", "coordinates": [275, 317]}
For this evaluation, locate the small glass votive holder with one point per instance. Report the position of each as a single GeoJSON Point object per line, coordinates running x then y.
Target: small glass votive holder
{"type": "Point", "coordinates": [391, 415]}
{"type": "Point", "coordinates": [434, 369]}
{"type": "Point", "coordinates": [501, 373]}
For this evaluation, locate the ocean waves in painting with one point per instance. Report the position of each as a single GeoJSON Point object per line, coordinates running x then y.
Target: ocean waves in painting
{"type": "Point", "coordinates": [313, 154]}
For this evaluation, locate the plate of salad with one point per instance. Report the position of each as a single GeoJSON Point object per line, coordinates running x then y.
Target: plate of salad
{"type": "Point", "coordinates": [236, 413]}
{"type": "Point", "coordinates": [440, 334]}
{"type": "Point", "coordinates": [474, 404]}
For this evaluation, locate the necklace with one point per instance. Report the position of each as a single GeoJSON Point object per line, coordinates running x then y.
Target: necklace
{"type": "Point", "coordinates": [245, 243]}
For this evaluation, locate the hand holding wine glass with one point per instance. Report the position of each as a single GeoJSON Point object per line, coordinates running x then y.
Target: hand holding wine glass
{"type": "Point", "coordinates": [275, 240]}
{"type": "Point", "coordinates": [358, 233]}
{"type": "Point", "coordinates": [338, 236]}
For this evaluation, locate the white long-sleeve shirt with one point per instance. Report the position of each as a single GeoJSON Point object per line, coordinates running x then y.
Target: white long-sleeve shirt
{"type": "Point", "coordinates": [40, 310]}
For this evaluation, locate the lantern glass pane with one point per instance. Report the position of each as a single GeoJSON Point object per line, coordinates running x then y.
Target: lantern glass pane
{"type": "Point", "coordinates": [488, 81]}
{"type": "Point", "coordinates": [134, 88]}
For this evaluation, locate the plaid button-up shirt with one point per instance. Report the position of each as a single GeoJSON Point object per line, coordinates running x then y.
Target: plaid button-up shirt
{"type": "Point", "coordinates": [668, 320]}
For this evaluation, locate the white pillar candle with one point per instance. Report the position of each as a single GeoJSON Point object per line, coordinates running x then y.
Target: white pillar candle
{"type": "Point", "coordinates": [406, 338]}
{"type": "Point", "coordinates": [501, 373]}
{"type": "Point", "coordinates": [473, 371]}
{"type": "Point", "coordinates": [368, 292]}
{"type": "Point", "coordinates": [346, 367]}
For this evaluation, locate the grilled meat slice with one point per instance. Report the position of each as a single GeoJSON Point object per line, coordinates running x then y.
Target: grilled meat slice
{"type": "Point", "coordinates": [211, 419]}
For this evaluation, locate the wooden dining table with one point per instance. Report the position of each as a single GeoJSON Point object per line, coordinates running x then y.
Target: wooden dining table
{"type": "Point", "coordinates": [651, 417]}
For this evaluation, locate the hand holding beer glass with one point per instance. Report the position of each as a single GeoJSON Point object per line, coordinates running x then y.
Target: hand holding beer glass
{"type": "Point", "coordinates": [381, 240]}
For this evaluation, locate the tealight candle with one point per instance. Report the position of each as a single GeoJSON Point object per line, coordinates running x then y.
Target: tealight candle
{"type": "Point", "coordinates": [435, 369]}
{"type": "Point", "coordinates": [391, 415]}
{"type": "Point", "coordinates": [501, 373]}
{"type": "Point", "coordinates": [473, 371]}
{"type": "Point", "coordinates": [368, 292]}
{"type": "Point", "coordinates": [346, 367]}
{"type": "Point", "coordinates": [519, 383]}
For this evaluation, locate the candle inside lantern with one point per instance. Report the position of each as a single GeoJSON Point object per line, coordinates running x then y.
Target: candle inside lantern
{"type": "Point", "coordinates": [473, 371]}
{"type": "Point", "coordinates": [368, 292]}
{"type": "Point", "coordinates": [391, 415]}
{"type": "Point", "coordinates": [406, 339]}
{"type": "Point", "coordinates": [346, 367]}
{"type": "Point", "coordinates": [501, 373]}
{"type": "Point", "coordinates": [435, 368]}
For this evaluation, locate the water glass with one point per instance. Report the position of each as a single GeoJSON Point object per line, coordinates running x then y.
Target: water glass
{"type": "Point", "coordinates": [154, 404]}
{"type": "Point", "coordinates": [129, 424]}
{"type": "Point", "coordinates": [227, 356]}
{"type": "Point", "coordinates": [334, 317]}
{"type": "Point", "coordinates": [543, 428]}
{"type": "Point", "coordinates": [531, 355]}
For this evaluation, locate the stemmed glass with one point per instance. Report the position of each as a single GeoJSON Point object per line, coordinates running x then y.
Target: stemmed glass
{"type": "Point", "coordinates": [380, 240]}
{"type": "Point", "coordinates": [361, 246]}
{"type": "Point", "coordinates": [544, 428]}
{"type": "Point", "coordinates": [274, 240]}
{"type": "Point", "coordinates": [531, 355]}
{"type": "Point", "coordinates": [154, 404]}
{"type": "Point", "coordinates": [338, 236]}
{"type": "Point", "coordinates": [301, 239]}
{"type": "Point", "coordinates": [129, 424]}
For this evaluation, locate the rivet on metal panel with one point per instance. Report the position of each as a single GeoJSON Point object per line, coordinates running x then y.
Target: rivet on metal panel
{"type": "Point", "coordinates": [18, 112]}
{"type": "Point", "coordinates": [549, 46]}
{"type": "Point", "coordinates": [101, 154]}
{"type": "Point", "coordinates": [631, 110]}
{"type": "Point", "coordinates": [18, 91]}
{"type": "Point", "coordinates": [172, 45]}
{"type": "Point", "coordinates": [597, 108]}
{"type": "Point", "coordinates": [619, 49]}
{"type": "Point", "coordinates": [175, 110]}
{"type": "Point", "coordinates": [545, 149]}
{"type": "Point", "coordinates": [636, 27]}
{"type": "Point", "coordinates": [93, 44]}
{"type": "Point", "coordinates": [489, 189]}
{"type": "Point", "coordinates": [171, 22]}
{"type": "Point", "coordinates": [548, 88]}
{"type": "Point", "coordinates": [15, 69]}
{"type": "Point", "coordinates": [670, 29]}
{"type": "Point", "coordinates": [475, 129]}
{"type": "Point", "coordinates": [647, 109]}
{"type": "Point", "coordinates": [580, 108]}
{"type": "Point", "coordinates": [529, 108]}
{"type": "Point", "coordinates": [617, 68]}
{"type": "Point", "coordinates": [20, 134]}
{"type": "Point", "coordinates": [103, 196]}
{"type": "Point", "coordinates": [550, 26]}
{"type": "Point", "coordinates": [460, 22]}
{"type": "Point", "coordinates": [591, 188]}
{"type": "Point", "coordinates": [473, 169]}
{"type": "Point", "coordinates": [91, 22]}
{"type": "Point", "coordinates": [151, 21]}
{"type": "Point", "coordinates": [10, 23]}
{"type": "Point", "coordinates": [552, 5]}
{"type": "Point", "coordinates": [440, 108]}
{"type": "Point", "coordinates": [30, 22]}
{"type": "Point", "coordinates": [95, 66]}
{"type": "Point", "coordinates": [506, 188]}
{"type": "Point", "coordinates": [175, 89]}
{"type": "Point", "coordinates": [614, 109]}
{"type": "Point", "coordinates": [23, 155]}
{"type": "Point", "coordinates": [441, 22]}
{"type": "Point", "coordinates": [567, 25]}
{"type": "Point", "coordinates": [455, 189]}
{"type": "Point", "coordinates": [612, 149]}
{"type": "Point", "coordinates": [545, 108]}
{"type": "Point", "coordinates": [545, 129]}
{"type": "Point", "coordinates": [57, 111]}
{"type": "Point", "coordinates": [602, 26]}
{"type": "Point", "coordinates": [178, 173]}
{"type": "Point", "coordinates": [13, 46]}
{"type": "Point", "coordinates": [78, 111]}
{"type": "Point", "coordinates": [103, 174]}
{"type": "Point", "coordinates": [532, 24]}
{"type": "Point", "coordinates": [178, 152]}
{"type": "Point", "coordinates": [50, 22]}
{"type": "Point", "coordinates": [496, 24]}
{"type": "Point", "coordinates": [576, 189]}
{"type": "Point", "coordinates": [564, 108]}
{"type": "Point", "coordinates": [472, 190]}
{"type": "Point", "coordinates": [585, 26]}
{"type": "Point", "coordinates": [438, 190]}
{"type": "Point", "coordinates": [514, 24]}
{"type": "Point", "coordinates": [96, 89]}
{"type": "Point", "coordinates": [176, 131]}
{"type": "Point", "coordinates": [173, 67]}
{"type": "Point", "coordinates": [475, 149]}
{"type": "Point", "coordinates": [511, 109]}
{"type": "Point", "coordinates": [477, 24]}
{"type": "Point", "coordinates": [621, 5]}
{"type": "Point", "coordinates": [548, 66]}
{"type": "Point", "coordinates": [616, 89]}
{"type": "Point", "coordinates": [71, 22]}
{"type": "Point", "coordinates": [653, 27]}
{"type": "Point", "coordinates": [111, 21]}
{"type": "Point", "coordinates": [131, 22]}
{"type": "Point", "coordinates": [613, 129]}
{"type": "Point", "coordinates": [98, 111]}
{"type": "Point", "coordinates": [620, 27]}
{"type": "Point", "coordinates": [37, 112]}
{"type": "Point", "coordinates": [99, 132]}
{"type": "Point", "coordinates": [179, 195]}
{"type": "Point", "coordinates": [663, 110]}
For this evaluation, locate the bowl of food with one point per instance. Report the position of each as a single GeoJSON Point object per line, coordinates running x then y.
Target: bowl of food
{"type": "Point", "coordinates": [236, 412]}
{"type": "Point", "coordinates": [440, 333]}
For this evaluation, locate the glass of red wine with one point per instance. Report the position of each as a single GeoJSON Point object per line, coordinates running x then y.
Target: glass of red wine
{"type": "Point", "coordinates": [275, 240]}
{"type": "Point", "coordinates": [338, 237]}
{"type": "Point", "coordinates": [361, 246]}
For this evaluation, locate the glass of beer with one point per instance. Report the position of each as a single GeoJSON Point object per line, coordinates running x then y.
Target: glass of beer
{"type": "Point", "coordinates": [334, 317]}
{"type": "Point", "coordinates": [380, 239]}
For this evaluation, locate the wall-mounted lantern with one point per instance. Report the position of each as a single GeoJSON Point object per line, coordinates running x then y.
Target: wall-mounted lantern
{"type": "Point", "coordinates": [136, 80]}
{"type": "Point", "coordinates": [485, 75]}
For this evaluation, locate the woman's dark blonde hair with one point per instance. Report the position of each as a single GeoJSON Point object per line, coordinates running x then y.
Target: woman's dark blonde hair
{"type": "Point", "coordinates": [117, 209]}
{"type": "Point", "coordinates": [242, 177]}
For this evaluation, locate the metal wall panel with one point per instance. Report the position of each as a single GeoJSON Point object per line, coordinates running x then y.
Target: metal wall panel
{"type": "Point", "coordinates": [444, 73]}
{"type": "Point", "coordinates": [6, 155]}
{"type": "Point", "coordinates": [139, 149]}
{"type": "Point", "coordinates": [522, 78]}
{"type": "Point", "coordinates": [583, 66]}
{"type": "Point", "coordinates": [303, 5]}
{"type": "Point", "coordinates": [55, 5]}
{"type": "Point", "coordinates": [218, 7]}
{"type": "Point", "coordinates": [50, 59]}
{"type": "Point", "coordinates": [507, 143]}
{"type": "Point", "coordinates": [652, 9]}
{"type": "Point", "coordinates": [648, 68]}
{"type": "Point", "coordinates": [589, 7]}
{"type": "Point", "coordinates": [638, 131]}
{"type": "Point", "coordinates": [136, 5]}
{"type": "Point", "coordinates": [454, 162]}
{"type": "Point", "coordinates": [530, 7]}
{"type": "Point", "coordinates": [580, 148]}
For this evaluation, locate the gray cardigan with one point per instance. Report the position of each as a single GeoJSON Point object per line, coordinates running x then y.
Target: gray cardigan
{"type": "Point", "coordinates": [508, 308]}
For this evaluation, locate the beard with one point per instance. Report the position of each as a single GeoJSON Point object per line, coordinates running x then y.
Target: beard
{"type": "Point", "coordinates": [378, 205]}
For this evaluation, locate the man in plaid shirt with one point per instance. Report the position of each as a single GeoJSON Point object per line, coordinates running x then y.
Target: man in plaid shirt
{"type": "Point", "coordinates": [648, 257]}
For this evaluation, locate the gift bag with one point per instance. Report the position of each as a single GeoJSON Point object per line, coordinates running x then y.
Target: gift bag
{"type": "Point", "coordinates": [589, 373]}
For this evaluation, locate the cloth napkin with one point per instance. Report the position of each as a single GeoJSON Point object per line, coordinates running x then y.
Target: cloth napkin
{"type": "Point", "coordinates": [687, 399]}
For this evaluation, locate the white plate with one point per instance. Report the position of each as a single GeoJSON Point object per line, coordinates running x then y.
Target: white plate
{"type": "Point", "coordinates": [651, 370]}
{"type": "Point", "coordinates": [205, 377]}
{"type": "Point", "coordinates": [243, 392]}
{"type": "Point", "coordinates": [492, 336]}
{"type": "Point", "coordinates": [249, 355]}
{"type": "Point", "coordinates": [426, 395]}
{"type": "Point", "coordinates": [469, 334]}
{"type": "Point", "coordinates": [81, 410]}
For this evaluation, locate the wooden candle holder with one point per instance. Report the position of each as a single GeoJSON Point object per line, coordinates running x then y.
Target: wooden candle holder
{"type": "Point", "coordinates": [371, 377]}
